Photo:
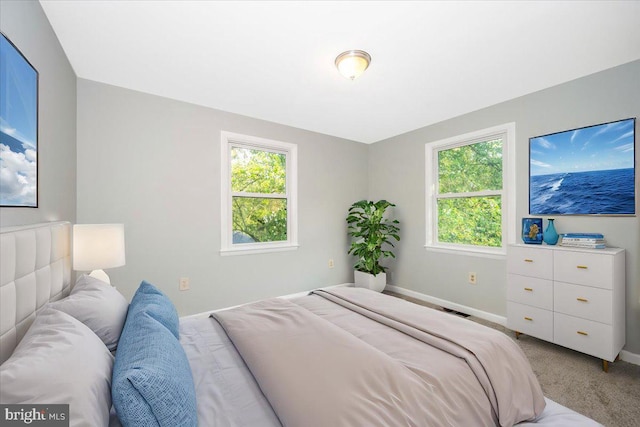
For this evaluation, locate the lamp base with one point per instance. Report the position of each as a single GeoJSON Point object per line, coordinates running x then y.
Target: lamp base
{"type": "Point", "coordinates": [100, 275]}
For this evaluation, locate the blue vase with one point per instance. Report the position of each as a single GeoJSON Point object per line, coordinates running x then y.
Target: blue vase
{"type": "Point", "coordinates": [550, 235]}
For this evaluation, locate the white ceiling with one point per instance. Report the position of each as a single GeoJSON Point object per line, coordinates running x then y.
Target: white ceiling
{"type": "Point", "coordinates": [275, 60]}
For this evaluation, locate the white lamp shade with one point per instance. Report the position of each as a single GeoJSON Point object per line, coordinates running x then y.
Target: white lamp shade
{"type": "Point", "coordinates": [353, 63]}
{"type": "Point", "coordinates": [98, 246]}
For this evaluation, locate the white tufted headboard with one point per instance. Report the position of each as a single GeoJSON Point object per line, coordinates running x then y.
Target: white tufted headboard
{"type": "Point", "coordinates": [35, 267]}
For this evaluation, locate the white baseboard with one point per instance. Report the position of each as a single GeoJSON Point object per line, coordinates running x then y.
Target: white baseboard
{"type": "Point", "coordinates": [625, 355]}
{"type": "Point", "coordinates": [629, 357]}
{"type": "Point", "coordinates": [500, 320]}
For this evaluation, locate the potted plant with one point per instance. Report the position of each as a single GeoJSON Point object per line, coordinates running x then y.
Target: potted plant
{"type": "Point", "coordinates": [370, 230]}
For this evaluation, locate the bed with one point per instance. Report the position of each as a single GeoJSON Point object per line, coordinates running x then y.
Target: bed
{"type": "Point", "coordinates": [335, 357]}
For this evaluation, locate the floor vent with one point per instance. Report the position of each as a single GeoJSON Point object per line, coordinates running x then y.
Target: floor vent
{"type": "Point", "coordinates": [457, 313]}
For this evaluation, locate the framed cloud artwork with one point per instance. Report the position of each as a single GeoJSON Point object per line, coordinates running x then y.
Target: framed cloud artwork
{"type": "Point", "coordinates": [18, 128]}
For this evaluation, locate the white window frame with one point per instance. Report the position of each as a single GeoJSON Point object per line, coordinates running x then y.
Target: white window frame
{"type": "Point", "coordinates": [229, 140]}
{"type": "Point", "coordinates": [508, 132]}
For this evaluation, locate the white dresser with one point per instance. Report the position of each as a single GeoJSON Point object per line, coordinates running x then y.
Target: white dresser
{"type": "Point", "coordinates": [569, 296]}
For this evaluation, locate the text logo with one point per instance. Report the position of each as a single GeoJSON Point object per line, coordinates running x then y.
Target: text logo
{"type": "Point", "coordinates": [34, 415]}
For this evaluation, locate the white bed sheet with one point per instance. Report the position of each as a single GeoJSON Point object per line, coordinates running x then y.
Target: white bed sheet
{"type": "Point", "coordinates": [228, 395]}
{"type": "Point", "coordinates": [557, 415]}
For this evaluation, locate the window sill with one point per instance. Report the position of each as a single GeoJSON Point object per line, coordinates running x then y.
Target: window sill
{"type": "Point", "coordinates": [258, 249]}
{"type": "Point", "coordinates": [498, 253]}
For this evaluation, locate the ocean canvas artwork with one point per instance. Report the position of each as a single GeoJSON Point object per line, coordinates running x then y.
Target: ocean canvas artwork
{"type": "Point", "coordinates": [18, 128]}
{"type": "Point", "coordinates": [585, 171]}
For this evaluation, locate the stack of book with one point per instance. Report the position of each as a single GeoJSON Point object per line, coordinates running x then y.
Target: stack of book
{"type": "Point", "coordinates": [583, 240]}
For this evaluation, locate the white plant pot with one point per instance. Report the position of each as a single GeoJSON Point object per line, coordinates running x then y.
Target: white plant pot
{"type": "Point", "coordinates": [365, 280]}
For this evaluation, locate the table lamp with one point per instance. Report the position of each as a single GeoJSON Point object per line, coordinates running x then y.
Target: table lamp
{"type": "Point", "coordinates": [98, 246]}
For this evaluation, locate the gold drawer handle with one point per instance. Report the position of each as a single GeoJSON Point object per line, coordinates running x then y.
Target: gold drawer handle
{"type": "Point", "coordinates": [528, 289]}
{"type": "Point", "coordinates": [582, 267]}
{"type": "Point", "coordinates": [582, 299]}
{"type": "Point", "coordinates": [582, 333]}
{"type": "Point", "coordinates": [528, 318]}
{"type": "Point", "coordinates": [528, 260]}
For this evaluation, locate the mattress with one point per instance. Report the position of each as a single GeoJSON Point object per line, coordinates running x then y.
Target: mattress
{"type": "Point", "coordinates": [229, 395]}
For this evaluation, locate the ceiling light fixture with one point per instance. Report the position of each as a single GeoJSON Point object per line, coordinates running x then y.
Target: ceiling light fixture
{"type": "Point", "coordinates": [352, 63]}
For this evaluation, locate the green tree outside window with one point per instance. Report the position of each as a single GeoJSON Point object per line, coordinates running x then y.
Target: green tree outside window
{"type": "Point", "coordinates": [259, 200]}
{"type": "Point", "coordinates": [468, 211]}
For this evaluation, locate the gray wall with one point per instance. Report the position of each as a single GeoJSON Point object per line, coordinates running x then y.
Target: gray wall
{"type": "Point", "coordinates": [397, 172]}
{"type": "Point", "coordinates": [154, 164]}
{"type": "Point", "coordinates": [26, 25]}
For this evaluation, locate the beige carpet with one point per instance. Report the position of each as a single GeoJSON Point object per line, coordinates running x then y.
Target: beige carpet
{"type": "Point", "coordinates": [577, 381]}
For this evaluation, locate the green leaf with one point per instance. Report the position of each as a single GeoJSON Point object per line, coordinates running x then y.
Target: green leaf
{"type": "Point", "coordinates": [369, 231]}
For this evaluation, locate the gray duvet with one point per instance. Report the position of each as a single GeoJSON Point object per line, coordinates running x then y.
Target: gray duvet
{"type": "Point", "coordinates": [353, 357]}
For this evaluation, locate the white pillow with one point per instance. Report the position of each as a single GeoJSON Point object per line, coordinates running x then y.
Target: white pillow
{"type": "Point", "coordinates": [99, 306]}
{"type": "Point", "coordinates": [60, 361]}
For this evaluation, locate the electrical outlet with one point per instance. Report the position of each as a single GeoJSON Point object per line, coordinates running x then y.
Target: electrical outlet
{"type": "Point", "coordinates": [331, 264]}
{"type": "Point", "coordinates": [473, 278]}
{"type": "Point", "coordinates": [183, 284]}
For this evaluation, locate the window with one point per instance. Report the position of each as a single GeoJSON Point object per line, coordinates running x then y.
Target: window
{"type": "Point", "coordinates": [259, 209]}
{"type": "Point", "coordinates": [469, 182]}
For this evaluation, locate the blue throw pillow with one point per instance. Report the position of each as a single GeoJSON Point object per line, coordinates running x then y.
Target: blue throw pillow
{"type": "Point", "coordinates": [152, 383]}
{"type": "Point", "coordinates": [151, 300]}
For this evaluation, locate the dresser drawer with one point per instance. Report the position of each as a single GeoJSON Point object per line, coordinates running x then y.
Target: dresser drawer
{"type": "Point", "coordinates": [584, 302]}
{"type": "Point", "coordinates": [530, 262]}
{"type": "Point", "coordinates": [584, 268]}
{"type": "Point", "coordinates": [530, 291]}
{"type": "Point", "coordinates": [586, 336]}
{"type": "Point", "coordinates": [533, 321]}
